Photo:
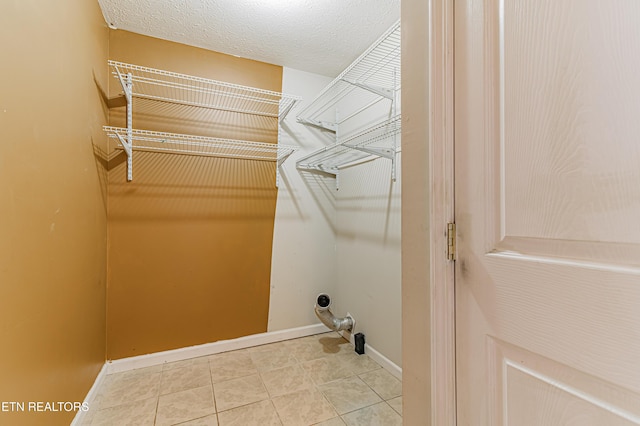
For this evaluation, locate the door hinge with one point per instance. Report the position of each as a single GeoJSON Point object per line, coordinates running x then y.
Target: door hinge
{"type": "Point", "coordinates": [451, 241]}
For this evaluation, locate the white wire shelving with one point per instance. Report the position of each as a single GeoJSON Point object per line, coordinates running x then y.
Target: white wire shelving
{"type": "Point", "coordinates": [375, 73]}
{"type": "Point", "coordinates": [181, 89]}
{"type": "Point", "coordinates": [167, 86]}
{"type": "Point", "coordinates": [379, 140]}
{"type": "Point", "coordinates": [372, 79]}
{"type": "Point", "coordinates": [175, 143]}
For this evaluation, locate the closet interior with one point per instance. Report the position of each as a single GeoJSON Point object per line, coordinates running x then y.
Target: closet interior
{"type": "Point", "coordinates": [158, 178]}
{"type": "Point", "coordinates": [352, 127]}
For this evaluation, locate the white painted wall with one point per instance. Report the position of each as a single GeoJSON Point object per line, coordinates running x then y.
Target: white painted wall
{"type": "Point", "coordinates": [303, 260]}
{"type": "Point", "coordinates": [368, 254]}
{"type": "Point", "coordinates": [368, 227]}
{"type": "Point", "coordinates": [344, 242]}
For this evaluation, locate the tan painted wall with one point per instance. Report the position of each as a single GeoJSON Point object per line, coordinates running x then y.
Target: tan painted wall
{"type": "Point", "coordinates": [190, 237]}
{"type": "Point", "coordinates": [52, 203]}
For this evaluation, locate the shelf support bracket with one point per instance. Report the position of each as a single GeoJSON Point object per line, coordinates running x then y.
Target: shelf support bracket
{"type": "Point", "coordinates": [128, 149]}
{"type": "Point", "coordinates": [281, 159]}
{"type": "Point", "coordinates": [380, 91]}
{"type": "Point", "coordinates": [322, 125]}
{"type": "Point", "coordinates": [283, 114]}
{"type": "Point", "coordinates": [393, 167]}
{"type": "Point", "coordinates": [380, 152]}
{"type": "Point", "coordinates": [127, 143]}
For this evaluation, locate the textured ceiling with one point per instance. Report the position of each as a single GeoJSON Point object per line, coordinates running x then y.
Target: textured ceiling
{"type": "Point", "coordinates": [320, 36]}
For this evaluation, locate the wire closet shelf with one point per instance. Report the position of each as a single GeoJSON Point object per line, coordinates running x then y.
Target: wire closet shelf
{"type": "Point", "coordinates": [174, 143]}
{"type": "Point", "coordinates": [371, 142]}
{"type": "Point", "coordinates": [181, 89]}
{"type": "Point", "coordinates": [167, 86]}
{"type": "Point", "coordinates": [376, 71]}
{"type": "Point", "coordinates": [374, 77]}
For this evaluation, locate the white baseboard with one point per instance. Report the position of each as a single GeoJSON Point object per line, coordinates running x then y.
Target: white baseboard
{"type": "Point", "coordinates": [125, 364]}
{"type": "Point", "coordinates": [384, 362]}
{"type": "Point", "coordinates": [80, 415]}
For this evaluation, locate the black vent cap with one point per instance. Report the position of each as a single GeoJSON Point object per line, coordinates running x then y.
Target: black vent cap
{"type": "Point", "coordinates": [324, 300]}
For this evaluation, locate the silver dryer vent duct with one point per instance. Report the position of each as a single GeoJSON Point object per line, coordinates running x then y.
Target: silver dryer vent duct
{"type": "Point", "coordinates": [323, 301]}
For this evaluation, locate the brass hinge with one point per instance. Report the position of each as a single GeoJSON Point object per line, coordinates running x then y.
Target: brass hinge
{"type": "Point", "coordinates": [451, 241]}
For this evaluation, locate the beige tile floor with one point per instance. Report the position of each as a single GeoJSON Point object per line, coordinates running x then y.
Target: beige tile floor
{"type": "Point", "coordinates": [314, 380]}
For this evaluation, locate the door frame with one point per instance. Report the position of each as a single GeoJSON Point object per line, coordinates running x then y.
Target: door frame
{"type": "Point", "coordinates": [441, 141]}
{"type": "Point", "coordinates": [429, 358]}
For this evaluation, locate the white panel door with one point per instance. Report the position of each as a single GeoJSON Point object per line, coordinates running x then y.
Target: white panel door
{"type": "Point", "coordinates": [547, 148]}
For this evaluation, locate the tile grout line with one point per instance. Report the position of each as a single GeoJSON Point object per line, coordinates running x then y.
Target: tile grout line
{"type": "Point", "coordinates": [213, 393]}
{"type": "Point", "coordinates": [155, 412]}
{"type": "Point", "coordinates": [275, 410]}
